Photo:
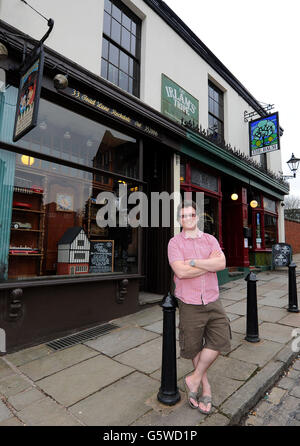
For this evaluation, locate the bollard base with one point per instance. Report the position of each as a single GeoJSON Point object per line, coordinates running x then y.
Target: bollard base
{"type": "Point", "coordinates": [252, 338]}
{"type": "Point", "coordinates": [293, 310]}
{"type": "Point", "coordinates": [168, 399]}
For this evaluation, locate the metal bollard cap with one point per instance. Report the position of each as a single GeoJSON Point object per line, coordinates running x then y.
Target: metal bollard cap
{"type": "Point", "coordinates": [251, 277]}
{"type": "Point", "coordinates": [169, 301]}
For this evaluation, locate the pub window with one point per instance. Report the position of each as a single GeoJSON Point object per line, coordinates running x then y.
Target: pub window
{"type": "Point", "coordinates": [48, 208]}
{"type": "Point", "coordinates": [215, 111]}
{"type": "Point", "coordinates": [120, 63]}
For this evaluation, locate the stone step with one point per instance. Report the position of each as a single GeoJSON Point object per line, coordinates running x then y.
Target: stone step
{"type": "Point", "coordinates": [149, 298]}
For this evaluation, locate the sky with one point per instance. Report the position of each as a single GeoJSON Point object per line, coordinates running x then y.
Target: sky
{"type": "Point", "coordinates": [258, 42]}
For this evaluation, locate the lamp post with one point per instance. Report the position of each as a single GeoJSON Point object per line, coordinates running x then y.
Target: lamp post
{"type": "Point", "coordinates": [293, 164]}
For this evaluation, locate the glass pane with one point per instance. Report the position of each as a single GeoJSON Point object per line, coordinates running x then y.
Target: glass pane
{"type": "Point", "coordinates": [107, 6]}
{"type": "Point", "coordinates": [130, 88]}
{"type": "Point", "coordinates": [113, 74]}
{"type": "Point", "coordinates": [104, 48]}
{"type": "Point", "coordinates": [116, 31]}
{"type": "Point", "coordinates": [125, 39]}
{"type": "Point", "coordinates": [106, 23]}
{"type": "Point", "coordinates": [116, 13]}
{"type": "Point", "coordinates": [104, 68]}
{"type": "Point", "coordinates": [270, 230]}
{"type": "Point", "coordinates": [123, 81]}
{"type": "Point", "coordinates": [130, 66]}
{"type": "Point", "coordinates": [124, 61]}
{"type": "Point", "coordinates": [133, 45]}
{"type": "Point", "coordinates": [133, 28]}
{"type": "Point", "coordinates": [113, 54]}
{"type": "Point", "coordinates": [55, 207]}
{"type": "Point", "coordinates": [126, 21]}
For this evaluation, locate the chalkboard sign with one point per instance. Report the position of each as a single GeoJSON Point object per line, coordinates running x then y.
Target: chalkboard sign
{"type": "Point", "coordinates": [102, 256]}
{"type": "Point", "coordinates": [281, 254]}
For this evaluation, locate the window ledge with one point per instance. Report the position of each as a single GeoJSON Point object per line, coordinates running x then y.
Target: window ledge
{"type": "Point", "coordinates": [66, 281]}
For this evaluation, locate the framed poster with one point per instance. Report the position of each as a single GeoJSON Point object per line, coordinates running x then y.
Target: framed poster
{"type": "Point", "coordinates": [264, 135]}
{"type": "Point", "coordinates": [64, 202]}
{"type": "Point", "coordinates": [29, 95]}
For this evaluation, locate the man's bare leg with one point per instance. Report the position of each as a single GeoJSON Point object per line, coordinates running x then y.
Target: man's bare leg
{"type": "Point", "coordinates": [206, 390]}
{"type": "Point", "coordinates": [204, 359]}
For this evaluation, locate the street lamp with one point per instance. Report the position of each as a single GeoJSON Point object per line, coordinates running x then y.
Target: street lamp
{"type": "Point", "coordinates": [293, 164]}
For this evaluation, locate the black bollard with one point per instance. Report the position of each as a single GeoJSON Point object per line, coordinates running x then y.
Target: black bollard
{"type": "Point", "coordinates": [252, 320]}
{"type": "Point", "coordinates": [168, 393]}
{"type": "Point", "coordinates": [293, 300]}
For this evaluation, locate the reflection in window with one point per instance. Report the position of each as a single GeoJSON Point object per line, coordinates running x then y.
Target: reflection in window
{"type": "Point", "coordinates": [54, 230]}
{"type": "Point", "coordinates": [69, 136]}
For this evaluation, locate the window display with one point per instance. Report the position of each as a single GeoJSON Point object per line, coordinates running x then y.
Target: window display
{"type": "Point", "coordinates": [53, 229]}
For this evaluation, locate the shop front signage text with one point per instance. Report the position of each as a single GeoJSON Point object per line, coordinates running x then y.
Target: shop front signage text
{"type": "Point", "coordinates": [113, 112]}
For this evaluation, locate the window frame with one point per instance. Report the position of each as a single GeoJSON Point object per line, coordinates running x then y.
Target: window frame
{"type": "Point", "coordinates": [136, 57]}
{"type": "Point", "coordinates": [219, 119]}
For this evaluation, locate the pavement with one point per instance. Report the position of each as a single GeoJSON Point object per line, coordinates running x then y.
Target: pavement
{"type": "Point", "coordinates": [113, 380]}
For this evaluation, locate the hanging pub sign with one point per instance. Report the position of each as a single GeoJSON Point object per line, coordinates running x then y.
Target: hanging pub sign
{"type": "Point", "coordinates": [264, 134]}
{"type": "Point", "coordinates": [177, 103]}
{"type": "Point", "coordinates": [29, 94]}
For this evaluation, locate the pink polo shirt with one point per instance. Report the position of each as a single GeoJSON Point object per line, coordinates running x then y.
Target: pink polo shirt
{"type": "Point", "coordinates": [197, 290]}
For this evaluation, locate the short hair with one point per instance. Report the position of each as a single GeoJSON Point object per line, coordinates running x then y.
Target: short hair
{"type": "Point", "coordinates": [186, 204]}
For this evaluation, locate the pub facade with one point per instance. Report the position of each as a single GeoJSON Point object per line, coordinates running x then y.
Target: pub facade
{"type": "Point", "coordinates": [117, 111]}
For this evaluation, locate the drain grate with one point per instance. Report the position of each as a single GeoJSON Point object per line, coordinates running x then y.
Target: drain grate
{"type": "Point", "coordinates": [82, 336]}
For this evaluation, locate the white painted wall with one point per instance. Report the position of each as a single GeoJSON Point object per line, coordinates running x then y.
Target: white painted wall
{"type": "Point", "coordinates": [77, 35]}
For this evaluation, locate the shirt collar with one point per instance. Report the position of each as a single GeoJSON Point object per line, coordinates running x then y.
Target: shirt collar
{"type": "Point", "coordinates": [199, 234]}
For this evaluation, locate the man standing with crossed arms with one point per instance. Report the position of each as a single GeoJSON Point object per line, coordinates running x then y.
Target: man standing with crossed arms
{"type": "Point", "coordinates": [204, 329]}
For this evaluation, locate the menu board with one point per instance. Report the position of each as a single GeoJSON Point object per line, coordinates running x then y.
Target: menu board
{"type": "Point", "coordinates": [281, 254]}
{"type": "Point", "coordinates": [101, 256]}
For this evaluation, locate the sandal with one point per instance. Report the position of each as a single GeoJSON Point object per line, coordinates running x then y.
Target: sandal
{"type": "Point", "coordinates": [190, 394]}
{"type": "Point", "coordinates": [205, 400]}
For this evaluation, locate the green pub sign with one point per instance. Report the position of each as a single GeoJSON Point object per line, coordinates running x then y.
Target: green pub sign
{"type": "Point", "coordinates": [176, 103]}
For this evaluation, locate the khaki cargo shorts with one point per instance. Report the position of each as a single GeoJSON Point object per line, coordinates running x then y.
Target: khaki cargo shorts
{"type": "Point", "coordinates": [203, 326]}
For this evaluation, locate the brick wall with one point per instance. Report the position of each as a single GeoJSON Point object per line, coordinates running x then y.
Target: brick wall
{"type": "Point", "coordinates": [292, 234]}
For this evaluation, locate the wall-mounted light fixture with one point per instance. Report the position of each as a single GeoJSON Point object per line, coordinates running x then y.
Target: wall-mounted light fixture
{"type": "Point", "coordinates": [61, 81]}
{"type": "Point", "coordinates": [234, 196]}
{"type": "Point", "coordinates": [293, 164]}
{"type": "Point", "coordinates": [253, 204]}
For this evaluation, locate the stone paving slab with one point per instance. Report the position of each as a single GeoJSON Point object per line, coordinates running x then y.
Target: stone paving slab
{"type": "Point", "coordinates": [29, 354]}
{"type": "Point", "coordinates": [271, 314]}
{"type": "Point", "coordinates": [275, 293]}
{"type": "Point", "coordinates": [121, 340]}
{"type": "Point", "coordinates": [258, 353]}
{"type": "Point", "coordinates": [23, 399]}
{"type": "Point", "coordinates": [141, 318]}
{"type": "Point", "coordinates": [145, 358]}
{"type": "Point", "coordinates": [292, 319]}
{"type": "Point", "coordinates": [46, 413]}
{"type": "Point", "coordinates": [81, 380]}
{"type": "Point", "coordinates": [4, 411]}
{"type": "Point", "coordinates": [12, 385]}
{"type": "Point", "coordinates": [178, 415]}
{"type": "Point", "coordinates": [56, 361]}
{"type": "Point", "coordinates": [11, 422]}
{"type": "Point", "coordinates": [274, 301]}
{"type": "Point", "coordinates": [275, 332]}
{"type": "Point", "coordinates": [5, 370]}
{"type": "Point", "coordinates": [232, 368]}
{"type": "Point", "coordinates": [119, 404]}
